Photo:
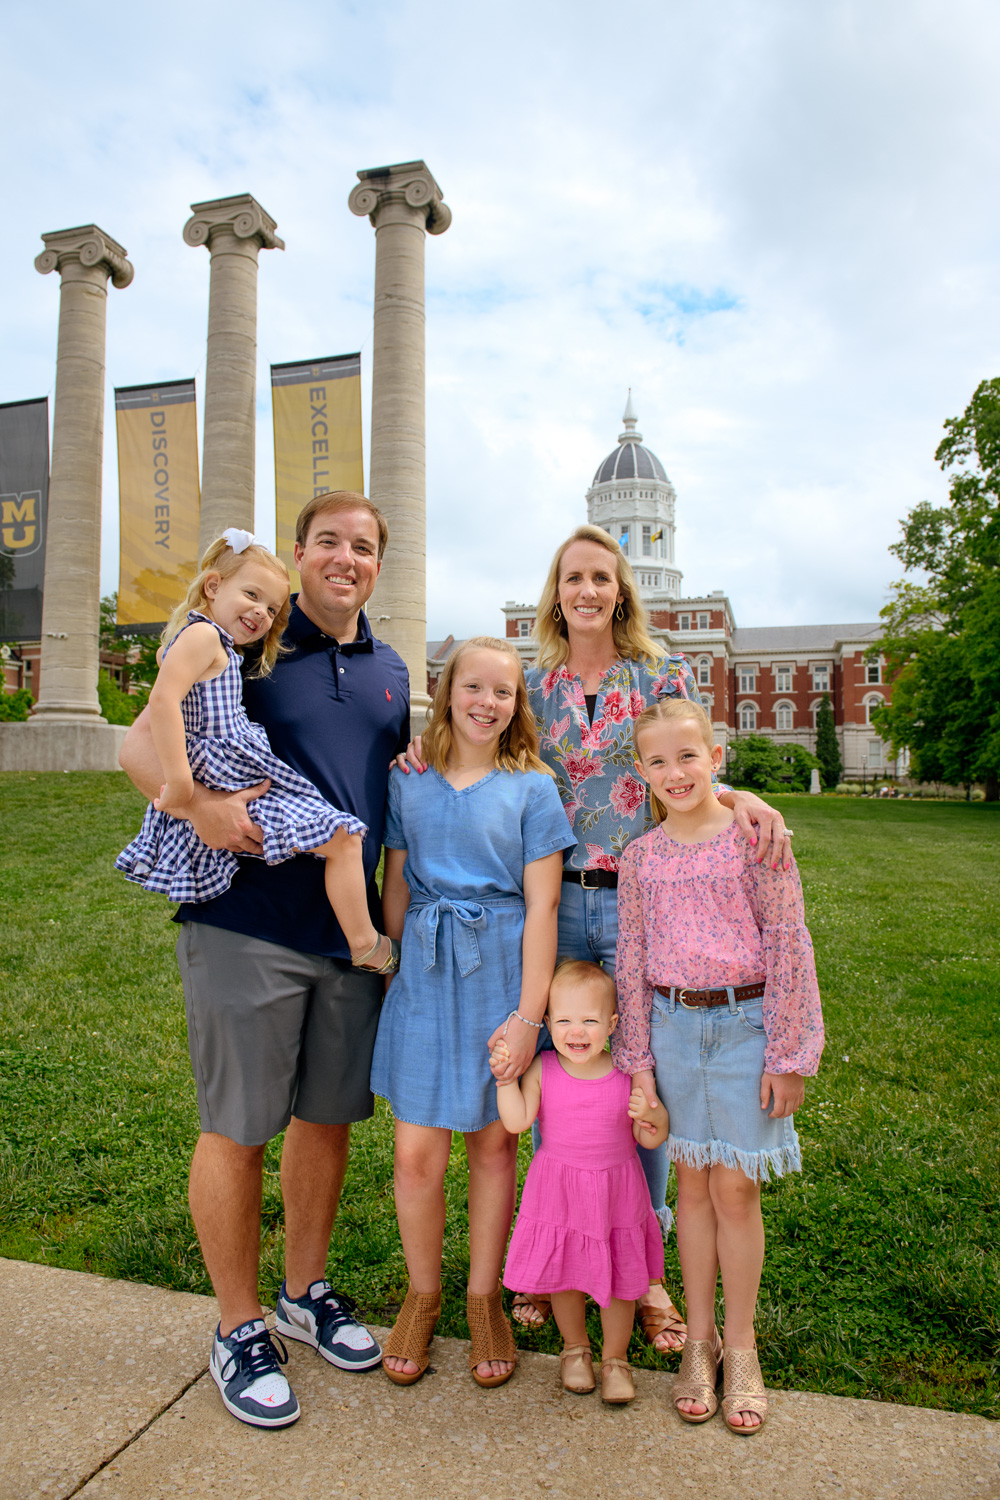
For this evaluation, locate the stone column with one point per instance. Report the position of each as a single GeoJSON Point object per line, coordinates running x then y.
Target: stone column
{"type": "Point", "coordinates": [85, 258]}
{"type": "Point", "coordinates": [234, 231]}
{"type": "Point", "coordinates": [402, 202]}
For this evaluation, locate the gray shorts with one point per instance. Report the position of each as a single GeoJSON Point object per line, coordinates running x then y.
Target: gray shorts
{"type": "Point", "coordinates": [275, 1033]}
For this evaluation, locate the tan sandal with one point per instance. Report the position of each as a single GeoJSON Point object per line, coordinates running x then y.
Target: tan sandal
{"type": "Point", "coordinates": [743, 1389]}
{"type": "Point", "coordinates": [617, 1385]}
{"type": "Point", "coordinates": [412, 1333]}
{"type": "Point", "coordinates": [659, 1320]}
{"type": "Point", "coordinates": [490, 1334]}
{"type": "Point", "coordinates": [525, 1305]}
{"type": "Point", "coordinates": [576, 1369]}
{"type": "Point", "coordinates": [698, 1377]}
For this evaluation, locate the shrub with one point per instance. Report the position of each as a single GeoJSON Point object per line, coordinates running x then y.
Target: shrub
{"type": "Point", "coordinates": [15, 707]}
{"type": "Point", "coordinates": [116, 706]}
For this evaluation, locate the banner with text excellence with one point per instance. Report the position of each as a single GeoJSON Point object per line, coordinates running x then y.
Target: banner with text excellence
{"type": "Point", "coordinates": [24, 499]}
{"type": "Point", "coordinates": [317, 438]}
{"type": "Point", "coordinates": [159, 500]}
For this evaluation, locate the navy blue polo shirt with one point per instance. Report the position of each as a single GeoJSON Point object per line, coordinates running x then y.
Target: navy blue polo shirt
{"type": "Point", "coordinates": [338, 714]}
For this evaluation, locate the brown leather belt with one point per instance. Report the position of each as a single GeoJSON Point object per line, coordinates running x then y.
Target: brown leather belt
{"type": "Point", "coordinates": [696, 999]}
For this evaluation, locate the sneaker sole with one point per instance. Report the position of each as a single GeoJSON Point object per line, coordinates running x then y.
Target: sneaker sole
{"type": "Point", "coordinates": [242, 1415]}
{"type": "Point", "coordinates": [290, 1331]}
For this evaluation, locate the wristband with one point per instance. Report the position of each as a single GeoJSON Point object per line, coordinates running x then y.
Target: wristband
{"type": "Point", "coordinates": [516, 1015]}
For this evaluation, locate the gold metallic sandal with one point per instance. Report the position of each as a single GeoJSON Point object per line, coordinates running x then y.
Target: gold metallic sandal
{"type": "Point", "coordinates": [576, 1369]}
{"type": "Point", "coordinates": [490, 1334]}
{"type": "Point", "coordinates": [617, 1385]}
{"type": "Point", "coordinates": [389, 965]}
{"type": "Point", "coordinates": [412, 1333]}
{"type": "Point", "coordinates": [743, 1389]}
{"type": "Point", "coordinates": [698, 1377]}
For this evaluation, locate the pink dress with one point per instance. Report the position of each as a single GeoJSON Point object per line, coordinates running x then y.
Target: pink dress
{"type": "Point", "coordinates": [585, 1223]}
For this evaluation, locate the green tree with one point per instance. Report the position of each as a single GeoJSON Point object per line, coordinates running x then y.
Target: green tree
{"type": "Point", "coordinates": [827, 745]}
{"type": "Point", "coordinates": [799, 764]}
{"type": "Point", "coordinates": [15, 707]}
{"type": "Point", "coordinates": [754, 761]}
{"type": "Point", "coordinates": [941, 634]}
{"type": "Point", "coordinates": [140, 667]}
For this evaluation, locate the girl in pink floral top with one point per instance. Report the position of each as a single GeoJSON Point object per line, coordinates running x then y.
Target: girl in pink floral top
{"type": "Point", "coordinates": [719, 1016]}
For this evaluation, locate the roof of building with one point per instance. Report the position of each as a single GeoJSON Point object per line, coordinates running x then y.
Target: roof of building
{"type": "Point", "coordinates": [440, 651]}
{"type": "Point", "coordinates": [630, 460]}
{"type": "Point", "coordinates": [771, 638]}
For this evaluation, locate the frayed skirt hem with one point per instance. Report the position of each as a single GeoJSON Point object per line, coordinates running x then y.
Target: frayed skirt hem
{"type": "Point", "coordinates": [759, 1166]}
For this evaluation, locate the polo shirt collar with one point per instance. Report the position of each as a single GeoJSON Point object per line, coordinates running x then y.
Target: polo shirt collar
{"type": "Point", "coordinates": [303, 635]}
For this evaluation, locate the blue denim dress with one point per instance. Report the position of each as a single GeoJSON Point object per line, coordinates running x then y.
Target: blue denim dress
{"type": "Point", "coordinates": [460, 969]}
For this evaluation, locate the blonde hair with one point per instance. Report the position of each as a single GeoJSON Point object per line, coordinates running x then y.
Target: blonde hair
{"type": "Point", "coordinates": [518, 747]}
{"type": "Point", "coordinates": [334, 500]}
{"type": "Point", "coordinates": [579, 972]}
{"type": "Point", "coordinates": [220, 558]}
{"type": "Point", "coordinates": [631, 633]}
{"type": "Point", "coordinates": [668, 711]}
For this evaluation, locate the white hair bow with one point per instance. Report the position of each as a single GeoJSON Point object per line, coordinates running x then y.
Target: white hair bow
{"type": "Point", "coordinates": [237, 539]}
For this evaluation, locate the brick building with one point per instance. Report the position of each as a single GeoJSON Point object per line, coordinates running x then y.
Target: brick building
{"type": "Point", "coordinates": [769, 680]}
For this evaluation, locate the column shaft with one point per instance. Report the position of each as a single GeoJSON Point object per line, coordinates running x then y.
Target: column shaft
{"type": "Point", "coordinates": [227, 496]}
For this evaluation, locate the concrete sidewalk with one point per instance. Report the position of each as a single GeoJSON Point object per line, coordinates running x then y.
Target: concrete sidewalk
{"type": "Point", "coordinates": [107, 1395]}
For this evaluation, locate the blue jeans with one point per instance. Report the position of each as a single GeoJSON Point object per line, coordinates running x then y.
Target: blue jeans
{"type": "Point", "coordinates": [588, 928]}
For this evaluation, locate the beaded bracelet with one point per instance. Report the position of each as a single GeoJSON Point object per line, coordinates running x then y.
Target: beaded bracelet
{"type": "Point", "coordinates": [516, 1014]}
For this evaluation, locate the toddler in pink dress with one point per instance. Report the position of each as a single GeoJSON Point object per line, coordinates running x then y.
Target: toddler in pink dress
{"type": "Point", "coordinates": [586, 1225]}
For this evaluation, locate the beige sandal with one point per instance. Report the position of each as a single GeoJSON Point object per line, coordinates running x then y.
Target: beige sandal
{"type": "Point", "coordinates": [659, 1320]}
{"type": "Point", "coordinates": [743, 1389]}
{"type": "Point", "coordinates": [490, 1334]}
{"type": "Point", "coordinates": [617, 1385]}
{"type": "Point", "coordinates": [576, 1368]}
{"type": "Point", "coordinates": [698, 1377]}
{"type": "Point", "coordinates": [412, 1333]}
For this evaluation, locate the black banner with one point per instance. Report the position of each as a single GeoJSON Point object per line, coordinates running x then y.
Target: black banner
{"type": "Point", "coordinates": [24, 500]}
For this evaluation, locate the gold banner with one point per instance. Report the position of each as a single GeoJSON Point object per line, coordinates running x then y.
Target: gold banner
{"type": "Point", "coordinates": [317, 439]}
{"type": "Point", "coordinates": [159, 499]}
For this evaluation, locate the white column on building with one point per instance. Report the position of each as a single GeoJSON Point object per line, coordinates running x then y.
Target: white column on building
{"type": "Point", "coordinates": [85, 258]}
{"type": "Point", "coordinates": [403, 203]}
{"type": "Point", "coordinates": [234, 230]}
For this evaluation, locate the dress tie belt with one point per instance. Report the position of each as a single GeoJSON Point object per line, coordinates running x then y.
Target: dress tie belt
{"type": "Point", "coordinates": [469, 917]}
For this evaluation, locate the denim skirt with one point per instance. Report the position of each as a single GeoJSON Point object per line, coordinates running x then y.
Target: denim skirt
{"type": "Point", "coordinates": [709, 1063]}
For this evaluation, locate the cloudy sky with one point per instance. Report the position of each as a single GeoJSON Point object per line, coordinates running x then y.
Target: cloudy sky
{"type": "Point", "coordinates": [776, 221]}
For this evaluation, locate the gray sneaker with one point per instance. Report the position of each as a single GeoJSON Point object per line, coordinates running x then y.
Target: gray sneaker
{"type": "Point", "coordinates": [245, 1368]}
{"type": "Point", "coordinates": [325, 1319]}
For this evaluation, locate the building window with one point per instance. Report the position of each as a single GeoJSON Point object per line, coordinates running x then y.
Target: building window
{"type": "Point", "coordinates": [685, 622]}
{"type": "Point", "coordinates": [524, 627]}
{"type": "Point", "coordinates": [873, 671]}
{"type": "Point", "coordinates": [814, 710]}
{"type": "Point", "coordinates": [874, 700]}
{"type": "Point", "coordinates": [647, 541]}
{"type": "Point", "coordinates": [703, 622]}
{"type": "Point", "coordinates": [821, 679]}
{"type": "Point", "coordinates": [623, 540]}
{"type": "Point", "coordinates": [783, 679]}
{"type": "Point", "coordinates": [748, 717]}
{"type": "Point", "coordinates": [705, 672]}
{"type": "Point", "coordinates": [874, 755]}
{"type": "Point", "coordinates": [784, 717]}
{"type": "Point", "coordinates": [748, 679]}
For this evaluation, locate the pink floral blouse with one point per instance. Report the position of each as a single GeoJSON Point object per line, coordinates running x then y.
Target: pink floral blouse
{"type": "Point", "coordinates": [707, 915]}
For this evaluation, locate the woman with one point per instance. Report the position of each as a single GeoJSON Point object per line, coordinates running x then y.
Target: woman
{"type": "Point", "coordinates": [598, 667]}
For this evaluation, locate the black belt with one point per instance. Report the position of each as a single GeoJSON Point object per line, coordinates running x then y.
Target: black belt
{"type": "Point", "coordinates": [591, 880]}
{"type": "Point", "coordinates": [695, 999]}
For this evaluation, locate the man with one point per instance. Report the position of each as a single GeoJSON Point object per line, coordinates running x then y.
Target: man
{"type": "Point", "coordinates": [280, 1026]}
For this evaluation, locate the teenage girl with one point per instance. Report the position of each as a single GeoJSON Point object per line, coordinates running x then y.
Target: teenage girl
{"type": "Point", "coordinates": [720, 1016]}
{"type": "Point", "coordinates": [472, 880]}
{"type": "Point", "coordinates": [201, 731]}
{"type": "Point", "coordinates": [586, 1225]}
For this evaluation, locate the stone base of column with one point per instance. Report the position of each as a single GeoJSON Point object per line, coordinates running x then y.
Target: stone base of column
{"type": "Point", "coordinates": [49, 745]}
{"type": "Point", "coordinates": [420, 704]}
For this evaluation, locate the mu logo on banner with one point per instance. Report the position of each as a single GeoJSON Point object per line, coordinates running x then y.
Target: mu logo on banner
{"type": "Point", "coordinates": [21, 522]}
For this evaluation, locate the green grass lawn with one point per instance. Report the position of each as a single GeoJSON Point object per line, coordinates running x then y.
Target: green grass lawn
{"type": "Point", "coordinates": [882, 1269]}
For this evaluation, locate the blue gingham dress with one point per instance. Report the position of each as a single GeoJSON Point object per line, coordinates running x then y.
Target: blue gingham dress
{"type": "Point", "coordinates": [227, 752]}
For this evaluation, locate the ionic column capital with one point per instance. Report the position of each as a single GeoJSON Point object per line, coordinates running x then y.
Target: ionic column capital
{"type": "Point", "coordinates": [404, 191]}
{"type": "Point", "coordinates": [85, 246]}
{"type": "Point", "coordinates": [241, 216]}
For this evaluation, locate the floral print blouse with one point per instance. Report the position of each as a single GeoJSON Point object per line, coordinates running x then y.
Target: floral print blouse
{"type": "Point", "coordinates": [707, 915]}
{"type": "Point", "coordinates": [605, 801]}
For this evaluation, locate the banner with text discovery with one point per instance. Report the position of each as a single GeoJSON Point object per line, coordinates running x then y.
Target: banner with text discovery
{"type": "Point", "coordinates": [159, 500]}
{"type": "Point", "coordinates": [317, 439]}
{"type": "Point", "coordinates": [24, 495]}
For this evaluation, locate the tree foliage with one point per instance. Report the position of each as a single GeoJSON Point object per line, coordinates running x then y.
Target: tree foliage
{"type": "Point", "coordinates": [942, 632]}
{"type": "Point", "coordinates": [827, 745]}
{"type": "Point", "coordinates": [15, 707]}
{"type": "Point", "coordinates": [140, 666]}
{"type": "Point", "coordinates": [754, 760]}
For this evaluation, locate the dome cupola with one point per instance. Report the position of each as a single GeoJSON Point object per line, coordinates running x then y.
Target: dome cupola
{"type": "Point", "coordinates": [632, 498]}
